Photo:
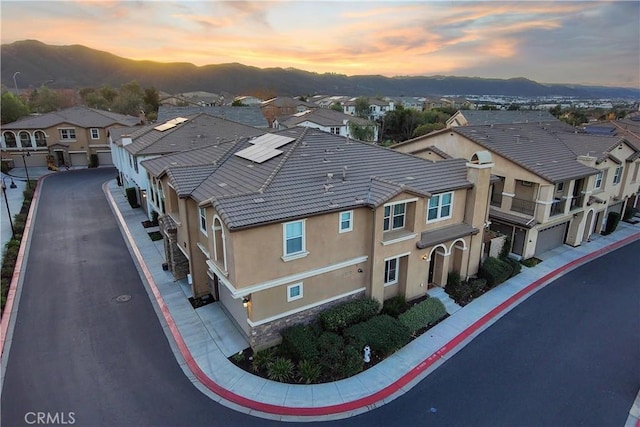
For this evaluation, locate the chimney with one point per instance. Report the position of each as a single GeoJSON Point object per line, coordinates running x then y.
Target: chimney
{"type": "Point", "coordinates": [344, 173]}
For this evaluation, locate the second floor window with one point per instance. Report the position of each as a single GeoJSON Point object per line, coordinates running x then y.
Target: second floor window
{"type": "Point", "coordinates": [440, 207]}
{"type": "Point", "coordinates": [617, 176]}
{"type": "Point", "coordinates": [335, 131]}
{"type": "Point", "coordinates": [66, 134]}
{"type": "Point", "coordinates": [95, 133]}
{"type": "Point", "coordinates": [394, 216]}
{"type": "Point", "coordinates": [598, 182]}
{"type": "Point", "coordinates": [346, 221]}
{"type": "Point", "coordinates": [293, 238]}
{"type": "Point", "coordinates": [203, 220]}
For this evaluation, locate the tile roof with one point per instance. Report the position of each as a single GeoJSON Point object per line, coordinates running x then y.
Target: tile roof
{"type": "Point", "coordinates": [534, 147]}
{"type": "Point", "coordinates": [286, 101]}
{"type": "Point", "coordinates": [433, 237]}
{"type": "Point", "coordinates": [80, 116]}
{"type": "Point", "coordinates": [629, 128]}
{"type": "Point", "coordinates": [307, 178]}
{"type": "Point", "coordinates": [494, 117]}
{"type": "Point", "coordinates": [250, 116]}
{"type": "Point", "coordinates": [598, 146]}
{"type": "Point", "coordinates": [323, 117]}
{"type": "Point", "coordinates": [528, 222]}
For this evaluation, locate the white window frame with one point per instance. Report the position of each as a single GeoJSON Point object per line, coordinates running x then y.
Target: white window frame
{"type": "Point", "coordinates": [203, 220]}
{"type": "Point", "coordinates": [65, 134]}
{"type": "Point", "coordinates": [294, 255]}
{"type": "Point", "coordinates": [334, 130]}
{"type": "Point", "coordinates": [295, 297]}
{"type": "Point", "coordinates": [95, 135]}
{"type": "Point", "coordinates": [617, 175]}
{"type": "Point", "coordinates": [388, 281]}
{"type": "Point", "coordinates": [392, 215]}
{"type": "Point", "coordinates": [340, 221]}
{"type": "Point", "coordinates": [597, 183]}
{"type": "Point", "coordinates": [559, 187]}
{"type": "Point", "coordinates": [439, 207]}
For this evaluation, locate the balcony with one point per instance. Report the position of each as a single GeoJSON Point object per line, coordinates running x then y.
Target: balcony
{"type": "Point", "coordinates": [523, 206]}
{"type": "Point", "coordinates": [557, 207]}
{"type": "Point", "coordinates": [577, 202]}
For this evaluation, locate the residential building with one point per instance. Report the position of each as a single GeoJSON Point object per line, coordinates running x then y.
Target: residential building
{"type": "Point", "coordinates": [496, 117]}
{"type": "Point", "coordinates": [377, 107]}
{"type": "Point", "coordinates": [283, 106]}
{"type": "Point", "coordinates": [249, 116]}
{"type": "Point", "coordinates": [282, 226]}
{"type": "Point", "coordinates": [129, 147]}
{"type": "Point", "coordinates": [248, 100]}
{"type": "Point", "coordinates": [553, 186]}
{"type": "Point", "coordinates": [331, 121]}
{"type": "Point", "coordinates": [65, 137]}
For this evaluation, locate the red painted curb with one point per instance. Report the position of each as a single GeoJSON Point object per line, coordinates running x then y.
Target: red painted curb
{"type": "Point", "coordinates": [362, 402]}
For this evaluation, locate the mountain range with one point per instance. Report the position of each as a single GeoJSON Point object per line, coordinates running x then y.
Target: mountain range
{"type": "Point", "coordinates": [78, 66]}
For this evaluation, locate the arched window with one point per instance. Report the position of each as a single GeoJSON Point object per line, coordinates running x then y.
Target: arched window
{"type": "Point", "coordinates": [25, 139]}
{"type": "Point", "coordinates": [41, 139]}
{"type": "Point", "coordinates": [10, 140]}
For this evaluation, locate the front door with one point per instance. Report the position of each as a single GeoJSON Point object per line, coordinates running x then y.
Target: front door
{"type": "Point", "coordinates": [60, 158]}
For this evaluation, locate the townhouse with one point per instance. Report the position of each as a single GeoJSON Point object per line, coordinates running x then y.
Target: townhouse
{"type": "Point", "coordinates": [131, 146]}
{"type": "Point", "coordinates": [377, 107]}
{"type": "Point", "coordinates": [331, 121]}
{"type": "Point", "coordinates": [281, 226]}
{"type": "Point", "coordinates": [283, 106]}
{"type": "Point", "coordinates": [553, 186]}
{"type": "Point", "coordinates": [493, 117]}
{"type": "Point", "coordinates": [66, 137]}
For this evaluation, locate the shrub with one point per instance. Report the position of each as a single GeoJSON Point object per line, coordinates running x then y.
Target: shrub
{"type": "Point", "coordinates": [506, 248]}
{"type": "Point", "coordinates": [154, 217]}
{"type": "Point", "coordinates": [132, 197]}
{"type": "Point", "coordinates": [395, 306]}
{"type": "Point", "coordinates": [530, 262]}
{"type": "Point", "coordinates": [382, 333]}
{"type": "Point", "coordinates": [309, 371]}
{"type": "Point", "coordinates": [281, 369]}
{"type": "Point", "coordinates": [262, 359]}
{"type": "Point", "coordinates": [453, 278]}
{"type": "Point", "coordinates": [93, 161]}
{"type": "Point", "coordinates": [331, 346]}
{"type": "Point", "coordinates": [300, 343]}
{"type": "Point", "coordinates": [347, 314]}
{"type": "Point", "coordinates": [460, 292]}
{"type": "Point", "coordinates": [423, 314]}
{"type": "Point", "coordinates": [612, 223]}
{"type": "Point", "coordinates": [515, 265]}
{"type": "Point", "coordinates": [352, 362]}
{"type": "Point", "coordinates": [477, 287]}
{"type": "Point", "coordinates": [629, 213]}
{"type": "Point", "coordinates": [495, 271]}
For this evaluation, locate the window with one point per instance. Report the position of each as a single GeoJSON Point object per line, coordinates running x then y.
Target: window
{"type": "Point", "coordinates": [294, 292]}
{"type": "Point", "coordinates": [346, 221]}
{"type": "Point", "coordinates": [440, 207]}
{"type": "Point", "coordinates": [618, 175]}
{"type": "Point", "coordinates": [394, 216]}
{"type": "Point", "coordinates": [598, 181]}
{"type": "Point", "coordinates": [95, 133]}
{"type": "Point", "coordinates": [635, 172]}
{"type": "Point", "coordinates": [25, 139]}
{"type": "Point", "coordinates": [293, 238]}
{"type": "Point", "coordinates": [66, 134]}
{"type": "Point", "coordinates": [203, 220]}
{"type": "Point", "coordinates": [10, 140]}
{"type": "Point", "coordinates": [335, 131]}
{"type": "Point", "coordinates": [391, 271]}
{"type": "Point", "coordinates": [41, 139]}
{"type": "Point", "coordinates": [527, 183]}
{"type": "Point", "coordinates": [559, 187]}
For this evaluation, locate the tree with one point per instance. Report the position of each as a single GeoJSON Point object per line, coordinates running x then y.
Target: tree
{"type": "Point", "coordinates": [337, 107]}
{"type": "Point", "coordinates": [44, 100]}
{"type": "Point", "coordinates": [362, 107]}
{"type": "Point", "coordinates": [151, 100]}
{"type": "Point", "coordinates": [12, 108]}
{"type": "Point", "coordinates": [362, 133]}
{"type": "Point", "coordinates": [130, 99]}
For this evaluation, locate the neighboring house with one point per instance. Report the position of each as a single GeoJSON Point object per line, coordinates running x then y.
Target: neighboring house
{"type": "Point", "coordinates": [410, 102]}
{"type": "Point", "coordinates": [553, 186]}
{"type": "Point", "coordinates": [330, 121]}
{"type": "Point", "coordinates": [248, 100]}
{"type": "Point", "coordinates": [377, 107]}
{"type": "Point", "coordinates": [284, 225]}
{"type": "Point", "coordinates": [496, 117]}
{"type": "Point", "coordinates": [129, 147]}
{"type": "Point", "coordinates": [250, 116]}
{"type": "Point", "coordinates": [66, 137]}
{"type": "Point", "coordinates": [326, 101]}
{"type": "Point", "coordinates": [283, 106]}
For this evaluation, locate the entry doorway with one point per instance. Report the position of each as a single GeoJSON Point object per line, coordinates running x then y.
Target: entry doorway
{"type": "Point", "coordinates": [435, 267]}
{"type": "Point", "coordinates": [60, 158]}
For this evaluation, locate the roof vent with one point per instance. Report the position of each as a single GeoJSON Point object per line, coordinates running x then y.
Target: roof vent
{"type": "Point", "coordinates": [327, 187]}
{"type": "Point", "coordinates": [325, 160]}
{"type": "Point", "coordinates": [222, 184]}
{"type": "Point", "coordinates": [258, 200]}
{"type": "Point", "coordinates": [333, 204]}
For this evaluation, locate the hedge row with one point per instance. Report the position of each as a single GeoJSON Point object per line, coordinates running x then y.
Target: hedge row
{"type": "Point", "coordinates": [464, 292]}
{"type": "Point", "coordinates": [495, 271]}
{"type": "Point", "coordinates": [423, 314]}
{"type": "Point", "coordinates": [344, 315]}
{"type": "Point", "coordinates": [383, 334]}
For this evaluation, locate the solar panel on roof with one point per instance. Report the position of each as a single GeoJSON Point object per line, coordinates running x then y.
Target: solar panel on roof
{"type": "Point", "coordinates": [258, 153]}
{"type": "Point", "coordinates": [170, 124]}
{"type": "Point", "coordinates": [271, 140]}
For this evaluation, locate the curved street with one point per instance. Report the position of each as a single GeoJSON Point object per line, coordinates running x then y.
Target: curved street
{"type": "Point", "coordinates": [566, 356]}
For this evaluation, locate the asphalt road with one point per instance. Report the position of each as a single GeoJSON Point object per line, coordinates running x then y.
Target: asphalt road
{"type": "Point", "coordinates": [566, 356]}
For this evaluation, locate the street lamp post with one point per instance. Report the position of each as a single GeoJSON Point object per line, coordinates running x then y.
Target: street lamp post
{"type": "Point", "coordinates": [6, 201]}
{"type": "Point", "coordinates": [26, 169]}
{"type": "Point", "coordinates": [15, 83]}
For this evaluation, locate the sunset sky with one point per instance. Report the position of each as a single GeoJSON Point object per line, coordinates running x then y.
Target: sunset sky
{"type": "Point", "coordinates": [550, 42]}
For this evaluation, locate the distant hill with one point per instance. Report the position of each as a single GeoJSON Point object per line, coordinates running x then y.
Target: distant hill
{"type": "Point", "coordinates": [79, 66]}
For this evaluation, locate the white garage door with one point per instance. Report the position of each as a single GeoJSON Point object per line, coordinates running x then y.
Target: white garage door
{"type": "Point", "coordinates": [551, 237]}
{"type": "Point", "coordinates": [104, 158]}
{"type": "Point", "coordinates": [78, 159]}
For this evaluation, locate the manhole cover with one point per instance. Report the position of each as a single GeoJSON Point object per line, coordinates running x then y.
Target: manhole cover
{"type": "Point", "coordinates": [123, 298]}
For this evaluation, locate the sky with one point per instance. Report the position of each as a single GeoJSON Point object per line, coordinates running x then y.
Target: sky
{"type": "Point", "coordinates": [590, 42]}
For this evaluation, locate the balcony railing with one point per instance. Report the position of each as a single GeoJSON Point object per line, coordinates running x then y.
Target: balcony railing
{"type": "Point", "coordinates": [577, 202]}
{"type": "Point", "coordinates": [523, 206]}
{"type": "Point", "coordinates": [557, 207]}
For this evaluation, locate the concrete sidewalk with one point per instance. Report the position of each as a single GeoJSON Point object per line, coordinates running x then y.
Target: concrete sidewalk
{"type": "Point", "coordinates": [204, 338]}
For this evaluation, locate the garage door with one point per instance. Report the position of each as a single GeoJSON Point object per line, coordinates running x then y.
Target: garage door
{"type": "Point", "coordinates": [104, 158]}
{"type": "Point", "coordinates": [78, 159]}
{"type": "Point", "coordinates": [551, 237]}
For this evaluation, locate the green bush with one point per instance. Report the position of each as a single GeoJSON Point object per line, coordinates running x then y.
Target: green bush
{"type": "Point", "coordinates": [132, 197]}
{"type": "Point", "coordinates": [612, 223]}
{"type": "Point", "coordinates": [505, 249]}
{"type": "Point", "coordinates": [530, 262]}
{"type": "Point", "coordinates": [331, 346]}
{"type": "Point", "coordinates": [309, 371]}
{"type": "Point", "coordinates": [382, 333]}
{"type": "Point", "coordinates": [395, 306]}
{"type": "Point", "coordinates": [629, 213]}
{"type": "Point", "coordinates": [281, 369]}
{"type": "Point", "coordinates": [515, 265]}
{"type": "Point", "coordinates": [262, 359]}
{"type": "Point", "coordinates": [453, 278]}
{"type": "Point", "coordinates": [460, 292]}
{"type": "Point", "coordinates": [299, 343]}
{"type": "Point", "coordinates": [477, 287]}
{"type": "Point", "coordinates": [352, 362]}
{"type": "Point", "coordinates": [344, 315]}
{"type": "Point", "coordinates": [423, 314]}
{"type": "Point", "coordinates": [495, 271]}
